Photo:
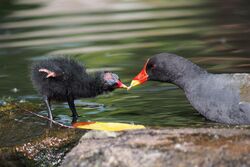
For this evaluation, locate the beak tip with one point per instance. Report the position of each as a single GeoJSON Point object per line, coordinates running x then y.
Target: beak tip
{"type": "Point", "coordinates": [121, 85]}
{"type": "Point", "coordinates": [128, 88]}
{"type": "Point", "coordinates": [133, 83]}
{"type": "Point", "coordinates": [124, 86]}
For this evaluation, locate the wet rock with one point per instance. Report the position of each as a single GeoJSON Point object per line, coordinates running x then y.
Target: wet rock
{"type": "Point", "coordinates": [9, 159]}
{"type": "Point", "coordinates": [44, 151]}
{"type": "Point", "coordinates": [50, 149]}
{"type": "Point", "coordinates": [28, 140]}
{"type": "Point", "coordinates": [164, 147]}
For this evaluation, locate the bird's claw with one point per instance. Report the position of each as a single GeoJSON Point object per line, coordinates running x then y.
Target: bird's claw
{"type": "Point", "coordinates": [74, 118]}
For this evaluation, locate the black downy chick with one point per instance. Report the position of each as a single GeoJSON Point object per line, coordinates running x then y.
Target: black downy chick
{"type": "Point", "coordinates": [64, 79]}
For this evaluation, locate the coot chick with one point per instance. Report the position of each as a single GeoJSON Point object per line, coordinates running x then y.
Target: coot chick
{"type": "Point", "coordinates": [64, 79]}
{"type": "Point", "coordinates": [223, 98]}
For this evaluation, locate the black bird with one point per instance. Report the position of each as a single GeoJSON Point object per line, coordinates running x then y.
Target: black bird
{"type": "Point", "coordinates": [64, 79]}
{"type": "Point", "coordinates": [223, 98]}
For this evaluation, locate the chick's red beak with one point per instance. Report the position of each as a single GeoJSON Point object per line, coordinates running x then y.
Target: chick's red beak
{"type": "Point", "coordinates": [121, 85]}
{"type": "Point", "coordinates": [140, 78]}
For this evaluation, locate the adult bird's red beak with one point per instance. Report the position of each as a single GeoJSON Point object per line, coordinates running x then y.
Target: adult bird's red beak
{"type": "Point", "coordinates": [140, 78]}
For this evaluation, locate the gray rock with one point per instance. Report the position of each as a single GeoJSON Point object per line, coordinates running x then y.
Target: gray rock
{"type": "Point", "coordinates": [163, 147]}
{"type": "Point", "coordinates": [93, 134]}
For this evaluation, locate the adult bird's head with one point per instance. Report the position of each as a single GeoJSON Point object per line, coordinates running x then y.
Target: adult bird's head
{"type": "Point", "coordinates": [166, 67]}
{"type": "Point", "coordinates": [112, 81]}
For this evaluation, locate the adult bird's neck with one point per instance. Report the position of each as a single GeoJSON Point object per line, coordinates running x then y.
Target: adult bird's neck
{"type": "Point", "coordinates": [185, 75]}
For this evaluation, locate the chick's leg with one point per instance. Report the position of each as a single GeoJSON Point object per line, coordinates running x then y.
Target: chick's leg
{"type": "Point", "coordinates": [47, 102]}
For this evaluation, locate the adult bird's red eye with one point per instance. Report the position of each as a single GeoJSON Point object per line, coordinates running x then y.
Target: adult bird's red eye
{"type": "Point", "coordinates": [153, 66]}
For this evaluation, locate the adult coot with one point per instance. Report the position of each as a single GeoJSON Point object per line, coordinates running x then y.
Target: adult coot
{"type": "Point", "coordinates": [64, 79]}
{"type": "Point", "coordinates": [222, 98]}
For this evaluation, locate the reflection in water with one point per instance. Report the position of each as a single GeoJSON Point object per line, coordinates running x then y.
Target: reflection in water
{"type": "Point", "coordinates": [120, 36]}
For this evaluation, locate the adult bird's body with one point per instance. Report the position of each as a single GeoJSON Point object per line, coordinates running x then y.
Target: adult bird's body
{"type": "Point", "coordinates": [64, 79]}
{"type": "Point", "coordinates": [222, 98]}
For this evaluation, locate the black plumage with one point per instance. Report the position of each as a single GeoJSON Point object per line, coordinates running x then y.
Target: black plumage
{"type": "Point", "coordinates": [65, 79]}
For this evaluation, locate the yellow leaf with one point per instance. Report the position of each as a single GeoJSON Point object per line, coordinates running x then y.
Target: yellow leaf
{"type": "Point", "coordinates": [107, 126]}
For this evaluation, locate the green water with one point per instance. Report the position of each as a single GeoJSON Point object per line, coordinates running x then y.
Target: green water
{"type": "Point", "coordinates": [119, 36]}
